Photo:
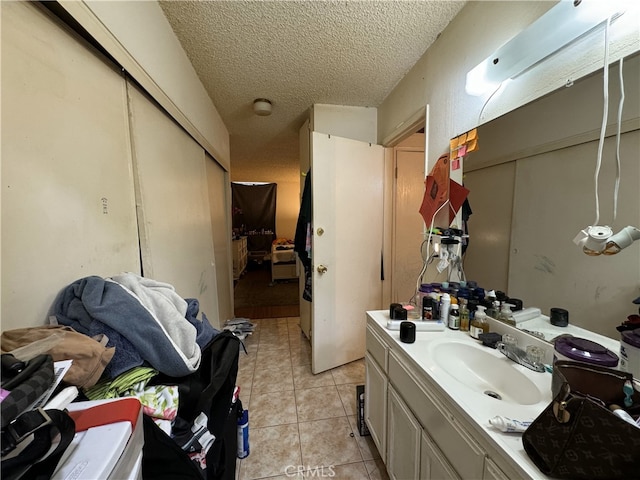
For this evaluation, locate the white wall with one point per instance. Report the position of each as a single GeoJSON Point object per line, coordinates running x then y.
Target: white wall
{"type": "Point", "coordinates": [357, 123]}
{"type": "Point", "coordinates": [438, 79]}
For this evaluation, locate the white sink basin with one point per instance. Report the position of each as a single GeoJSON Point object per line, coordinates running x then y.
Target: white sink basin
{"type": "Point", "coordinates": [488, 372]}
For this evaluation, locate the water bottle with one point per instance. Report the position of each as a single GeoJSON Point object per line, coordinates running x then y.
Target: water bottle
{"type": "Point", "coordinates": [243, 434]}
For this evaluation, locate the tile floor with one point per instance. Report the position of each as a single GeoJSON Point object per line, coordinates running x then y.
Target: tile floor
{"type": "Point", "coordinates": [300, 425]}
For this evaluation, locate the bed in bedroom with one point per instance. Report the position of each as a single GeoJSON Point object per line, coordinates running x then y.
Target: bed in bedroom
{"type": "Point", "coordinates": [283, 262]}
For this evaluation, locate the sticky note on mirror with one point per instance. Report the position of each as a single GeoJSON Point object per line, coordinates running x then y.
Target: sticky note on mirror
{"type": "Point", "coordinates": [472, 146]}
{"type": "Point", "coordinates": [472, 134]}
{"type": "Point", "coordinates": [462, 139]}
{"type": "Point", "coordinates": [455, 164]}
{"type": "Point", "coordinates": [453, 144]}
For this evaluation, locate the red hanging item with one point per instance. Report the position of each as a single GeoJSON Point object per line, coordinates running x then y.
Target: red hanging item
{"type": "Point", "coordinates": [436, 190]}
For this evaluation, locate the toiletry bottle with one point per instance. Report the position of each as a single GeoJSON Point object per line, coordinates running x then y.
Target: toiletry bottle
{"type": "Point", "coordinates": [464, 315]}
{"type": "Point", "coordinates": [427, 308]}
{"type": "Point", "coordinates": [488, 308]}
{"type": "Point", "coordinates": [435, 305]}
{"type": "Point", "coordinates": [445, 303]}
{"type": "Point", "coordinates": [509, 425]}
{"type": "Point", "coordinates": [480, 323]}
{"type": "Point", "coordinates": [472, 305]}
{"type": "Point", "coordinates": [506, 315]}
{"type": "Point", "coordinates": [423, 292]}
{"type": "Point", "coordinates": [501, 297]}
{"type": "Point", "coordinates": [454, 317]}
{"type": "Point", "coordinates": [490, 296]}
{"type": "Point", "coordinates": [494, 309]}
{"type": "Point", "coordinates": [243, 433]}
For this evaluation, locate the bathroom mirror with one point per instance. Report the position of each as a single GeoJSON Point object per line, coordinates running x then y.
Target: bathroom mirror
{"type": "Point", "coordinates": [532, 189]}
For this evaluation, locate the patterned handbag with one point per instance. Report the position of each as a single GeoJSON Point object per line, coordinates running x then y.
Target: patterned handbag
{"type": "Point", "coordinates": [24, 382]}
{"type": "Point", "coordinates": [27, 437]}
{"type": "Point", "coordinates": [577, 436]}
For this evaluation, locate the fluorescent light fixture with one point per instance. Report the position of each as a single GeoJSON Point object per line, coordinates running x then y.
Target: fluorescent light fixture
{"type": "Point", "coordinates": [561, 25]}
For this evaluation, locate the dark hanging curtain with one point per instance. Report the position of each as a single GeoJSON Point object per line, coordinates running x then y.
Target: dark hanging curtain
{"type": "Point", "coordinates": [254, 213]}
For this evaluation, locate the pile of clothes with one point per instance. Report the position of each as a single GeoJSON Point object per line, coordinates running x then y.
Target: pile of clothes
{"type": "Point", "coordinates": [145, 320]}
{"type": "Point", "coordinates": [129, 335]}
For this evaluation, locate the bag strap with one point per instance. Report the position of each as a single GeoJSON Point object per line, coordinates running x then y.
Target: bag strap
{"type": "Point", "coordinates": [35, 459]}
{"type": "Point", "coordinates": [559, 403]}
{"type": "Point", "coordinates": [26, 388]}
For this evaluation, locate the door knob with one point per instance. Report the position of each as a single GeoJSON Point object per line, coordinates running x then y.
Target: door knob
{"type": "Point", "coordinates": [322, 269]}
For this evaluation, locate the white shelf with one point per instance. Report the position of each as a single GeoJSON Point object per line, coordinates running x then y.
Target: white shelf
{"type": "Point", "coordinates": [240, 256]}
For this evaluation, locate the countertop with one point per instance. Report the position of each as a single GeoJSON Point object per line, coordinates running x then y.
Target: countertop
{"type": "Point", "coordinates": [543, 325]}
{"type": "Point", "coordinates": [475, 407]}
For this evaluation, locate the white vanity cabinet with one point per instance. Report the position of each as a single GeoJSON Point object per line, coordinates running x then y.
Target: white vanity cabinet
{"type": "Point", "coordinates": [433, 463]}
{"type": "Point", "coordinates": [375, 403]}
{"type": "Point", "coordinates": [460, 452]}
{"type": "Point", "coordinates": [418, 432]}
{"type": "Point", "coordinates": [375, 393]}
{"type": "Point", "coordinates": [404, 436]}
{"type": "Point", "coordinates": [492, 471]}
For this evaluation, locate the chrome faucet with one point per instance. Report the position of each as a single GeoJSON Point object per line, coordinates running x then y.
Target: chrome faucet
{"type": "Point", "coordinates": [518, 355]}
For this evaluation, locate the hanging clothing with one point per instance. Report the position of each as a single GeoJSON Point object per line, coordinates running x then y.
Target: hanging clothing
{"type": "Point", "coordinates": [304, 232]}
{"type": "Point", "coordinates": [466, 213]}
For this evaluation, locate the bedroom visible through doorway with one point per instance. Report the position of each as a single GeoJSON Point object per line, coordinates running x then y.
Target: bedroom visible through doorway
{"type": "Point", "coordinates": [256, 294]}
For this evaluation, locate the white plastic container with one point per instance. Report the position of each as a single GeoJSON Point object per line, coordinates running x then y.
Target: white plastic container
{"type": "Point", "coordinates": [630, 352]}
{"type": "Point", "coordinates": [583, 350]}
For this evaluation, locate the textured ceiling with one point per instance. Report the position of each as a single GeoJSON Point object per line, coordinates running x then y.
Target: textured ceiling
{"type": "Point", "coordinates": [297, 53]}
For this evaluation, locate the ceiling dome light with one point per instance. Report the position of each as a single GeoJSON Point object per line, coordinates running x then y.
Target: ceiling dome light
{"type": "Point", "coordinates": [262, 107]}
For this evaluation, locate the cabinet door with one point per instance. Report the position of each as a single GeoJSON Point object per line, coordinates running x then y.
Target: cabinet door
{"type": "Point", "coordinates": [433, 464]}
{"type": "Point", "coordinates": [449, 433]}
{"type": "Point", "coordinates": [492, 471]}
{"type": "Point", "coordinates": [375, 403]}
{"type": "Point", "coordinates": [403, 440]}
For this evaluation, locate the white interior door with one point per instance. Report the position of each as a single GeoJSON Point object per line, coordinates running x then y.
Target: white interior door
{"type": "Point", "coordinates": [408, 225]}
{"type": "Point", "coordinates": [347, 185]}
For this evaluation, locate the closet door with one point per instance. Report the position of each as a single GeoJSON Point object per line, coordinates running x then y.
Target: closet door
{"type": "Point", "coordinates": [220, 205]}
{"type": "Point", "coordinates": [68, 207]}
{"type": "Point", "coordinates": [174, 219]}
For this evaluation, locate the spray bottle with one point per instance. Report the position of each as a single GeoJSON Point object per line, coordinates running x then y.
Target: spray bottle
{"type": "Point", "coordinates": [445, 304]}
{"type": "Point", "coordinates": [243, 432]}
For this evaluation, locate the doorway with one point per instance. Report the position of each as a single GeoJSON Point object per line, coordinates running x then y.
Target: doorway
{"type": "Point", "coordinates": [407, 224]}
{"type": "Point", "coordinates": [256, 293]}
